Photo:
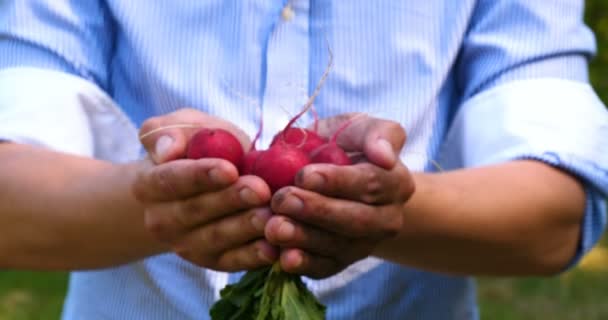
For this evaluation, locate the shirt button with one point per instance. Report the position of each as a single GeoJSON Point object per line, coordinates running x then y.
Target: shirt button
{"type": "Point", "coordinates": [287, 13]}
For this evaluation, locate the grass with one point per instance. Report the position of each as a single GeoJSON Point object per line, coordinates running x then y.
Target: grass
{"type": "Point", "coordinates": [575, 295]}
{"type": "Point", "coordinates": [31, 295]}
{"type": "Point", "coordinates": [578, 294]}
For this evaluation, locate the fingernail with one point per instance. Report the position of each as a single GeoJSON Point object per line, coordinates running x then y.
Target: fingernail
{"type": "Point", "coordinates": [386, 149]}
{"type": "Point", "coordinates": [259, 219]}
{"type": "Point", "coordinates": [296, 260]}
{"type": "Point", "coordinates": [163, 145]}
{"type": "Point", "coordinates": [248, 196]}
{"type": "Point", "coordinates": [286, 231]}
{"type": "Point", "coordinates": [215, 176]}
{"type": "Point", "coordinates": [291, 204]}
{"type": "Point", "coordinates": [315, 180]}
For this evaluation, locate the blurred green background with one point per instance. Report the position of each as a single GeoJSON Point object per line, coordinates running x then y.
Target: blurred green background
{"type": "Point", "coordinates": [580, 294]}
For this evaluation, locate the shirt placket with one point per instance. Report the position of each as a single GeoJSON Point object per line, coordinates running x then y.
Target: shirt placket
{"type": "Point", "coordinates": [287, 69]}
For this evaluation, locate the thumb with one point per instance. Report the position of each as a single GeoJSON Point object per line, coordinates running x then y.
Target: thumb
{"type": "Point", "coordinates": [167, 148]}
{"type": "Point", "coordinates": [166, 137]}
{"type": "Point", "coordinates": [380, 140]}
{"type": "Point", "coordinates": [164, 145]}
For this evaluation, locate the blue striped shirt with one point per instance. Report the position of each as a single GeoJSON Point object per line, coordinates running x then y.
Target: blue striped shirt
{"type": "Point", "coordinates": [474, 82]}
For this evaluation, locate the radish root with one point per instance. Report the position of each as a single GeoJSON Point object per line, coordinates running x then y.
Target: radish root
{"type": "Point", "coordinates": [182, 125]}
{"type": "Point", "coordinates": [315, 93]}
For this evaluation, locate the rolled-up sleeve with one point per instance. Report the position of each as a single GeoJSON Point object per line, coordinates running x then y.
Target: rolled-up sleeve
{"type": "Point", "coordinates": [67, 35]}
{"type": "Point", "coordinates": [63, 112]}
{"type": "Point", "coordinates": [525, 95]}
{"type": "Point", "coordinates": [54, 58]}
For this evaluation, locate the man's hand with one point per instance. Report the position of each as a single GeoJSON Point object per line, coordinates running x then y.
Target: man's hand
{"type": "Point", "coordinates": [337, 215]}
{"type": "Point", "coordinates": [202, 209]}
{"type": "Point", "coordinates": [166, 137]}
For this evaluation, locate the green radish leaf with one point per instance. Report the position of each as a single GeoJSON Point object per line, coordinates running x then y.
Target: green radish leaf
{"type": "Point", "coordinates": [268, 294]}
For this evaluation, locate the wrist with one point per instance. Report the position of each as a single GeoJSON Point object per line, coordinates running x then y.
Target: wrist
{"type": "Point", "coordinates": [392, 249]}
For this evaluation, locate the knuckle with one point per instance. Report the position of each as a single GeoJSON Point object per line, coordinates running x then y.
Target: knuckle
{"type": "Point", "coordinates": [393, 225]}
{"type": "Point", "coordinates": [373, 182]}
{"type": "Point", "coordinates": [407, 188]}
{"type": "Point", "coordinates": [321, 209]}
{"type": "Point", "coordinates": [180, 220]}
{"type": "Point", "coordinates": [215, 235]}
{"type": "Point", "coordinates": [156, 225]}
{"type": "Point", "coordinates": [372, 174]}
{"type": "Point", "coordinates": [164, 176]}
{"type": "Point", "coordinates": [138, 189]}
{"type": "Point", "coordinates": [362, 221]}
{"type": "Point", "coordinates": [397, 131]}
{"type": "Point", "coordinates": [410, 189]}
{"type": "Point", "coordinates": [370, 197]}
{"type": "Point", "coordinates": [190, 206]}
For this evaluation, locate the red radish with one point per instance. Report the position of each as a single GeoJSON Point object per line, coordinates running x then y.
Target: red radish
{"type": "Point", "coordinates": [279, 165]}
{"type": "Point", "coordinates": [252, 155]}
{"type": "Point", "coordinates": [215, 143]}
{"type": "Point", "coordinates": [249, 161]}
{"type": "Point", "coordinates": [305, 139]}
{"type": "Point", "coordinates": [330, 152]}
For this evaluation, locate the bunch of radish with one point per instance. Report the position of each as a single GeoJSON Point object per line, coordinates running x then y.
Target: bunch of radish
{"type": "Point", "coordinates": [269, 293]}
{"type": "Point", "coordinates": [290, 150]}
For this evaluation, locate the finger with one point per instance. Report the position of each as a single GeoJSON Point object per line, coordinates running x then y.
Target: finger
{"type": "Point", "coordinates": [362, 182]}
{"type": "Point", "coordinates": [227, 233]}
{"type": "Point", "coordinates": [166, 137]}
{"type": "Point", "coordinates": [345, 217]}
{"type": "Point", "coordinates": [381, 140]}
{"type": "Point", "coordinates": [182, 179]}
{"type": "Point", "coordinates": [252, 256]}
{"type": "Point", "coordinates": [248, 257]}
{"type": "Point", "coordinates": [285, 232]}
{"type": "Point", "coordinates": [168, 220]}
{"type": "Point", "coordinates": [316, 267]}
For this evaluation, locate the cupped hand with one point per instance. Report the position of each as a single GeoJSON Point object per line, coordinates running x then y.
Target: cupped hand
{"type": "Point", "coordinates": [337, 215]}
{"type": "Point", "coordinates": [201, 209]}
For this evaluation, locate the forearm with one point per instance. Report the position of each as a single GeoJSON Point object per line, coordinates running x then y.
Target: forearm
{"type": "Point", "coordinates": [519, 218]}
{"type": "Point", "coordinates": [65, 212]}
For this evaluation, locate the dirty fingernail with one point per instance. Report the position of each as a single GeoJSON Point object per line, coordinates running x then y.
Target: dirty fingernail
{"type": "Point", "coordinates": [316, 180]}
{"type": "Point", "coordinates": [248, 196]}
{"type": "Point", "coordinates": [291, 204]}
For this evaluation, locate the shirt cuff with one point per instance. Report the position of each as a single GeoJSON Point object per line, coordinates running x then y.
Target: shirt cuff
{"type": "Point", "coordinates": [65, 113]}
{"type": "Point", "coordinates": [560, 122]}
